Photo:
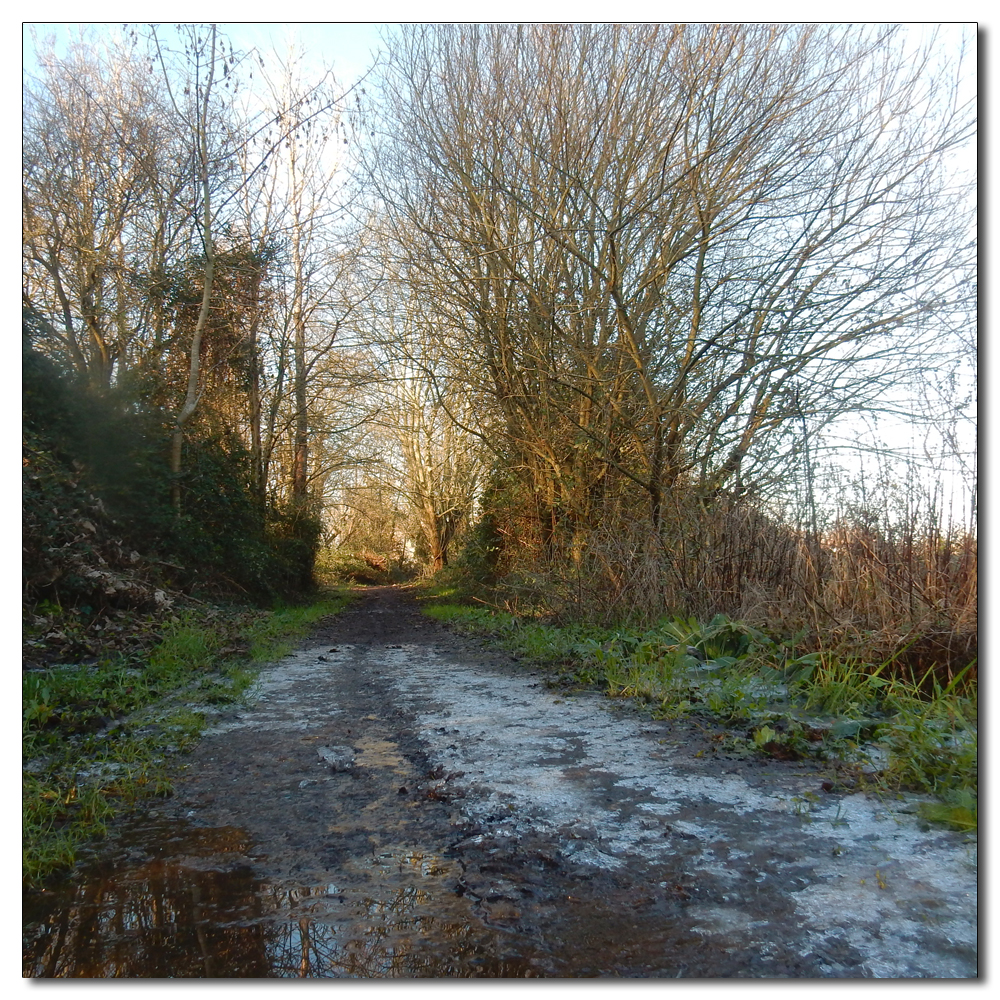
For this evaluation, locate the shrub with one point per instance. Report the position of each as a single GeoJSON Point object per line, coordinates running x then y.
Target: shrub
{"type": "Point", "coordinates": [99, 525]}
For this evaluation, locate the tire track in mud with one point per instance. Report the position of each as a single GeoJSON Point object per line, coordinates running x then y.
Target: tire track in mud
{"type": "Point", "coordinates": [401, 802]}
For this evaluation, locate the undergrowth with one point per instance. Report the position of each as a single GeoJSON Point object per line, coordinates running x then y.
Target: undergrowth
{"type": "Point", "coordinates": [888, 732]}
{"type": "Point", "coordinates": [98, 736]}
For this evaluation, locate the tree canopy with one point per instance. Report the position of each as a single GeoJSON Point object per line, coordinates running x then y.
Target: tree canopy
{"type": "Point", "coordinates": [560, 279]}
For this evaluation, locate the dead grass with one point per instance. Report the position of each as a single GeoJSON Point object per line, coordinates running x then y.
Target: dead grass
{"type": "Point", "coordinates": [900, 593]}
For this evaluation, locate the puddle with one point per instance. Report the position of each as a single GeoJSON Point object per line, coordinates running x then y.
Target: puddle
{"type": "Point", "coordinates": [363, 820]}
{"type": "Point", "coordinates": [183, 902]}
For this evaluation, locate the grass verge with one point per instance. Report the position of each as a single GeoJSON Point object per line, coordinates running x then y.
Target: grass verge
{"type": "Point", "coordinates": [874, 729]}
{"type": "Point", "coordinates": [98, 737]}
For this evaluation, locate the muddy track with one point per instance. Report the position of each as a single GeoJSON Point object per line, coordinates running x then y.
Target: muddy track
{"type": "Point", "coordinates": [401, 802]}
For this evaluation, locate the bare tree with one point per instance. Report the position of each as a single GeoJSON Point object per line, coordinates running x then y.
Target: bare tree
{"type": "Point", "coordinates": [299, 204]}
{"type": "Point", "coordinates": [661, 244]}
{"type": "Point", "coordinates": [206, 61]}
{"type": "Point", "coordinates": [143, 176]}
{"type": "Point", "coordinates": [440, 473]}
{"type": "Point", "coordinates": [99, 219]}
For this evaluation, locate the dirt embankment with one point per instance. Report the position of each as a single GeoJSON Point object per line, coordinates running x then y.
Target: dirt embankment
{"type": "Point", "coordinates": [401, 802]}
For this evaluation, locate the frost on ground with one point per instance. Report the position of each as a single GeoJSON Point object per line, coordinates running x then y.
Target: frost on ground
{"type": "Point", "coordinates": [857, 868]}
{"type": "Point", "coordinates": [400, 801]}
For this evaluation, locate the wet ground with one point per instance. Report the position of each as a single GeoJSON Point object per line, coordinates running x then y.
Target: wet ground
{"type": "Point", "coordinates": [400, 802]}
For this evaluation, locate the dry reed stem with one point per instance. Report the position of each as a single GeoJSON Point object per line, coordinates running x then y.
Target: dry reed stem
{"type": "Point", "coordinates": [874, 592]}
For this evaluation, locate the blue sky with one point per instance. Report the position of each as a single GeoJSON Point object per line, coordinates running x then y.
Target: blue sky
{"type": "Point", "coordinates": [347, 47]}
{"type": "Point", "coordinates": [350, 49]}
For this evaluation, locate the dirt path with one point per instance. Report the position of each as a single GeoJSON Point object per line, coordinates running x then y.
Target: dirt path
{"type": "Point", "coordinates": [400, 802]}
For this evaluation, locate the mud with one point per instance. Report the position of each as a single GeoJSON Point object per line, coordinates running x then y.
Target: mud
{"type": "Point", "coordinates": [401, 802]}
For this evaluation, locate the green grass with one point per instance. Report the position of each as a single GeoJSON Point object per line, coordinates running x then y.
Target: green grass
{"type": "Point", "coordinates": [777, 700]}
{"type": "Point", "coordinates": [276, 635]}
{"type": "Point", "coordinates": [99, 738]}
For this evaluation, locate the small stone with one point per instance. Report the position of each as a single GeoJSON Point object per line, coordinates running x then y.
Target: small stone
{"type": "Point", "coordinates": [339, 758]}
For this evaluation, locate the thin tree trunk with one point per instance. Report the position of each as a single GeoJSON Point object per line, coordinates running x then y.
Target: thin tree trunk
{"type": "Point", "coordinates": [192, 396]}
{"type": "Point", "coordinates": [300, 441]}
{"type": "Point", "coordinates": [256, 446]}
{"type": "Point", "coordinates": [300, 466]}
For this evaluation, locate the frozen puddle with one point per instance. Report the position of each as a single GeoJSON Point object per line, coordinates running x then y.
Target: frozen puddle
{"type": "Point", "coordinates": [391, 808]}
{"type": "Point", "coordinates": [858, 870]}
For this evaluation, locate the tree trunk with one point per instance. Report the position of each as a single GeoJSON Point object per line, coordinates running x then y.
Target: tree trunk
{"type": "Point", "coordinates": [192, 396]}
{"type": "Point", "coordinates": [300, 464]}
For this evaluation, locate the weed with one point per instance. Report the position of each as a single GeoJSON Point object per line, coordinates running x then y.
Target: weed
{"type": "Point", "coordinates": [802, 804]}
{"type": "Point", "coordinates": [958, 809]}
{"type": "Point", "coordinates": [835, 686]}
{"type": "Point", "coordinates": [98, 737]}
{"type": "Point", "coordinates": [838, 820]}
{"type": "Point", "coordinates": [813, 704]}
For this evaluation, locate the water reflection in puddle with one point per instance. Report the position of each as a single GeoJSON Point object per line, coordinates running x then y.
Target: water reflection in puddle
{"type": "Point", "coordinates": [186, 903]}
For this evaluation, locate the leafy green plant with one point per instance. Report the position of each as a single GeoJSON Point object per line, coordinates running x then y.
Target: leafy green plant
{"type": "Point", "coordinates": [98, 737]}
{"type": "Point", "coordinates": [37, 700]}
{"type": "Point", "coordinates": [721, 639]}
{"type": "Point", "coordinates": [801, 704]}
{"type": "Point", "coordinates": [764, 735]}
{"type": "Point", "coordinates": [736, 694]}
{"type": "Point", "coordinates": [958, 809]}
